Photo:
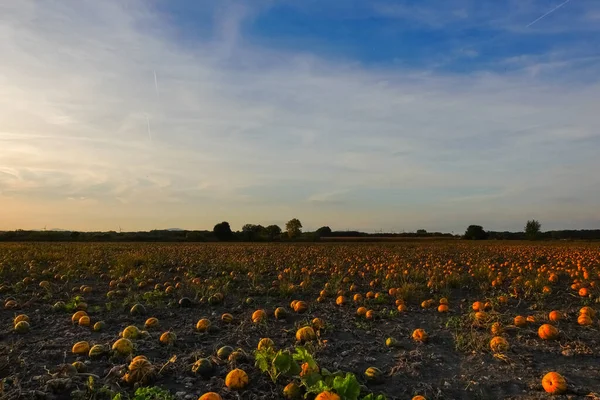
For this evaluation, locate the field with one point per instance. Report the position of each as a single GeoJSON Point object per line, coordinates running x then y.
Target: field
{"type": "Point", "coordinates": [204, 298]}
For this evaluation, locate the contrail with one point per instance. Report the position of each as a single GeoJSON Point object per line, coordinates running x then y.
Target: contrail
{"type": "Point", "coordinates": [548, 13]}
{"type": "Point", "coordinates": [156, 84]}
{"type": "Point", "coordinates": [149, 133]}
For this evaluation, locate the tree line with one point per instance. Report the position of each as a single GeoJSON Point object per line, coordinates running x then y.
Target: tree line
{"type": "Point", "coordinates": [292, 231]}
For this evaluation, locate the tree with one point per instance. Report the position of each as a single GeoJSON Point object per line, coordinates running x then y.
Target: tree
{"type": "Point", "coordinates": [532, 229]}
{"type": "Point", "coordinates": [421, 232]}
{"type": "Point", "coordinates": [222, 231]}
{"type": "Point", "coordinates": [293, 227]}
{"type": "Point", "coordinates": [324, 231]}
{"type": "Point", "coordinates": [475, 232]}
{"type": "Point", "coordinates": [253, 232]}
{"type": "Point", "coordinates": [273, 231]}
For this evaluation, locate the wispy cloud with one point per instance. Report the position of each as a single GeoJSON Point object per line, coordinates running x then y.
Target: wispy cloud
{"type": "Point", "coordinates": [236, 123]}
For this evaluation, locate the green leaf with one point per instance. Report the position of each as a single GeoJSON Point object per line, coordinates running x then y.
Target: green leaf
{"type": "Point", "coordinates": [294, 368]}
{"type": "Point", "coordinates": [347, 387]}
{"type": "Point", "coordinates": [325, 372]}
{"type": "Point", "coordinates": [317, 387]}
{"type": "Point", "coordinates": [282, 362]}
{"type": "Point", "coordinates": [313, 379]}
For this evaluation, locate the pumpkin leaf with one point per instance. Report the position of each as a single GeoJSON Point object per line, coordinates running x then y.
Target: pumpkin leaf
{"type": "Point", "coordinates": [282, 362]}
{"type": "Point", "coordinates": [347, 387]}
{"type": "Point", "coordinates": [372, 396]}
{"type": "Point", "coordinates": [313, 379]}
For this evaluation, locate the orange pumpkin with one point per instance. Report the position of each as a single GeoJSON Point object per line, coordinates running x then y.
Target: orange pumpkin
{"type": "Point", "coordinates": [300, 307]}
{"type": "Point", "coordinates": [203, 325]}
{"type": "Point", "coordinates": [327, 396]}
{"type": "Point", "coordinates": [520, 321]}
{"type": "Point", "coordinates": [554, 383]}
{"type": "Point", "coordinates": [547, 332]}
{"type": "Point", "coordinates": [443, 308]}
{"type": "Point", "coordinates": [259, 316]}
{"type": "Point", "coordinates": [361, 311]}
{"type": "Point", "coordinates": [584, 320]}
{"type": "Point", "coordinates": [420, 335]}
{"type": "Point", "coordinates": [210, 396]}
{"type": "Point", "coordinates": [498, 344]}
{"type": "Point", "coordinates": [555, 316]}
{"type": "Point", "coordinates": [237, 379]}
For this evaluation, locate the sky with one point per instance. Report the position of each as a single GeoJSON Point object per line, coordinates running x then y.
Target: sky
{"type": "Point", "coordinates": [369, 115]}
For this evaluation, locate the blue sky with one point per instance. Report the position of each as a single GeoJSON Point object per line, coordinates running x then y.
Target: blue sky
{"type": "Point", "coordinates": [393, 115]}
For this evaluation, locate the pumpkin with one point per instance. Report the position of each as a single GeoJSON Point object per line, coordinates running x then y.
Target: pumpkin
{"type": "Point", "coordinates": [340, 300]}
{"type": "Point", "coordinates": [123, 347]}
{"type": "Point", "coordinates": [357, 298]}
{"type": "Point", "coordinates": [584, 320]}
{"type": "Point", "coordinates": [22, 327]}
{"type": "Point", "coordinates": [520, 321]}
{"type": "Point", "coordinates": [131, 332]}
{"type": "Point", "coordinates": [498, 344]}
{"type": "Point", "coordinates": [98, 326]}
{"type": "Point", "coordinates": [420, 335]}
{"type": "Point", "coordinates": [361, 311]}
{"type": "Point", "coordinates": [326, 395]}
{"type": "Point", "coordinates": [306, 369]}
{"type": "Point", "coordinates": [444, 300]}
{"type": "Point", "coordinates": [373, 374]}
{"type": "Point", "coordinates": [443, 308]}
{"type": "Point", "coordinates": [587, 310]}
{"type": "Point", "coordinates": [305, 334]}
{"type": "Point", "coordinates": [224, 352]}
{"type": "Point", "coordinates": [184, 302]}
{"type": "Point", "coordinates": [203, 367]}
{"type": "Point", "coordinates": [139, 371]}
{"type": "Point", "coordinates": [203, 325]}
{"type": "Point", "coordinates": [531, 319]}
{"type": "Point", "coordinates": [478, 306]}
{"type": "Point", "coordinates": [80, 367]}
{"type": "Point", "coordinates": [370, 315]}
{"type": "Point", "coordinates": [259, 316]}
{"type": "Point", "coordinates": [20, 318]}
{"type": "Point", "coordinates": [419, 397]}
{"type": "Point", "coordinates": [265, 343]}
{"type": "Point", "coordinates": [280, 313]}
{"type": "Point", "coordinates": [75, 318]}
{"type": "Point", "coordinates": [391, 342]}
{"type": "Point", "coordinates": [84, 321]}
{"type": "Point", "coordinates": [97, 350]}
{"type": "Point", "coordinates": [481, 316]}
{"type": "Point", "coordinates": [555, 316]}
{"type": "Point", "coordinates": [210, 396]}
{"type": "Point", "coordinates": [10, 304]}
{"type": "Point", "coordinates": [59, 306]}
{"type": "Point", "coordinates": [300, 307]}
{"type": "Point", "coordinates": [168, 338]}
{"type": "Point", "coordinates": [318, 324]}
{"type": "Point", "coordinates": [583, 292]}
{"type": "Point", "coordinates": [547, 332]}
{"type": "Point", "coordinates": [496, 328]}
{"type": "Point", "coordinates": [151, 322]}
{"type": "Point", "coordinates": [137, 309]}
{"type": "Point", "coordinates": [236, 379]}
{"type": "Point", "coordinates": [227, 318]}
{"type": "Point", "coordinates": [140, 357]}
{"type": "Point", "coordinates": [81, 348]}
{"type": "Point", "coordinates": [292, 391]}
{"type": "Point", "coordinates": [236, 356]}
{"type": "Point", "coordinates": [402, 308]}
{"type": "Point", "coordinates": [554, 383]}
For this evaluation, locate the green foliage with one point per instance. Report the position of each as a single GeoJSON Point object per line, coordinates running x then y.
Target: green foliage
{"type": "Point", "coordinates": [372, 396]}
{"type": "Point", "coordinates": [149, 393]}
{"type": "Point", "coordinates": [532, 229]}
{"type": "Point", "coordinates": [276, 364]}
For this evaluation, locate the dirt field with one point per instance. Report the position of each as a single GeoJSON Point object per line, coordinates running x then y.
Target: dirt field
{"type": "Point", "coordinates": [456, 362]}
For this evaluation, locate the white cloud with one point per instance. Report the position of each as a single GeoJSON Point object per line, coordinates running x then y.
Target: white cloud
{"type": "Point", "coordinates": [78, 81]}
